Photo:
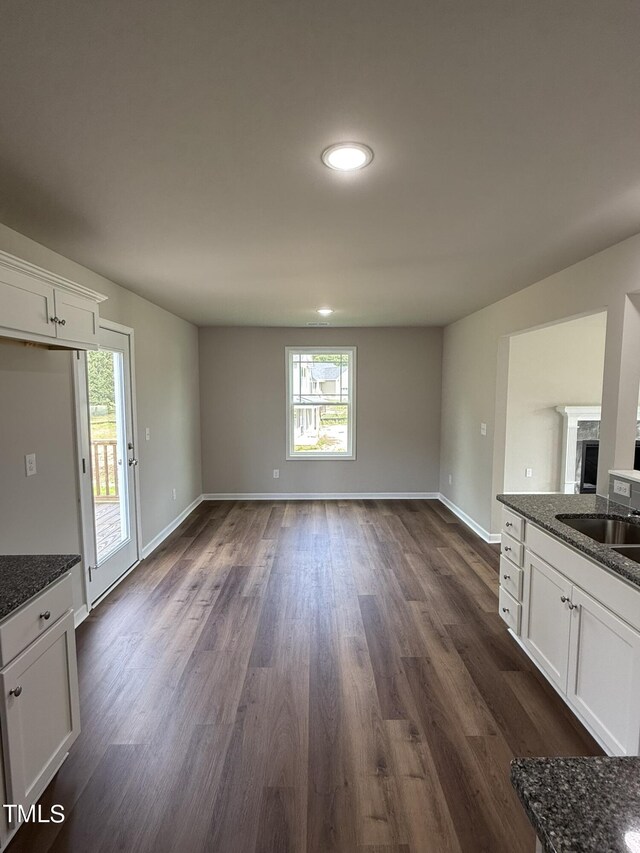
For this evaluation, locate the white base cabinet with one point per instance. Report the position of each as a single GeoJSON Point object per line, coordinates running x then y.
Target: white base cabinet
{"type": "Point", "coordinates": [39, 708]}
{"type": "Point", "coordinates": [580, 624]}
{"type": "Point", "coordinates": [604, 674]}
{"type": "Point", "coordinates": [546, 623]}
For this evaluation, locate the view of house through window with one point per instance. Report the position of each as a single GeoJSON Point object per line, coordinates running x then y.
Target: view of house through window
{"type": "Point", "coordinates": [321, 412]}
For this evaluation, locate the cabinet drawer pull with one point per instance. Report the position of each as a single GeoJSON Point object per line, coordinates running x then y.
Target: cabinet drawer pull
{"type": "Point", "coordinates": [508, 548]}
{"type": "Point", "coordinates": [572, 606]}
{"type": "Point", "coordinates": [508, 524]}
{"type": "Point", "coordinates": [54, 319]}
{"type": "Point", "coordinates": [62, 322]}
{"type": "Point", "coordinates": [564, 599]}
{"type": "Point", "coordinates": [505, 609]}
{"type": "Point", "coordinates": [16, 691]}
{"type": "Point", "coordinates": [507, 577]}
{"type": "Point", "coordinates": [46, 615]}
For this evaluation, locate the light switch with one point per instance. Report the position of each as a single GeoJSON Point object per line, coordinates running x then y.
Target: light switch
{"type": "Point", "coordinates": [528, 472]}
{"type": "Point", "coordinates": [30, 464]}
{"type": "Point", "coordinates": [483, 429]}
{"type": "Point", "coordinates": [147, 434]}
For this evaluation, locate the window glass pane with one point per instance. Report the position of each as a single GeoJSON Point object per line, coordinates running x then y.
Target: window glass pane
{"type": "Point", "coordinates": [320, 378]}
{"type": "Point", "coordinates": [320, 428]}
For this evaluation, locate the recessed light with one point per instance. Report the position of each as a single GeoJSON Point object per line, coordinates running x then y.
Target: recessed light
{"type": "Point", "coordinates": [347, 156]}
{"type": "Point", "coordinates": [325, 311]}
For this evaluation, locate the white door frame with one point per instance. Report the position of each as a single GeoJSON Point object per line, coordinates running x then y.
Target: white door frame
{"type": "Point", "coordinates": [83, 466]}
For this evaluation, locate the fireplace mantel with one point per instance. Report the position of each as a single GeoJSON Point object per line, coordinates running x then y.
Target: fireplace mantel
{"type": "Point", "coordinates": [572, 416]}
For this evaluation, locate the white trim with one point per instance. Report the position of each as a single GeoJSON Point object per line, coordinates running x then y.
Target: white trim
{"type": "Point", "coordinates": [11, 262]}
{"type": "Point", "coordinates": [320, 496]}
{"type": "Point", "coordinates": [295, 456]}
{"type": "Point", "coordinates": [473, 525]}
{"type": "Point", "coordinates": [115, 584]}
{"type": "Point", "coordinates": [80, 615]}
{"type": "Point", "coordinates": [166, 531]}
{"type": "Point", "coordinates": [83, 451]}
{"type": "Point", "coordinates": [112, 326]}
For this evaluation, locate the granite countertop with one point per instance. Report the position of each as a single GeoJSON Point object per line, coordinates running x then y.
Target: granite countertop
{"type": "Point", "coordinates": [581, 805]}
{"type": "Point", "coordinates": [22, 577]}
{"type": "Point", "coordinates": [542, 509]}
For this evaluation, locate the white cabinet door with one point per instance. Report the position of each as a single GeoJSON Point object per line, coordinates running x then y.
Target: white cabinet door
{"type": "Point", "coordinates": [77, 318]}
{"type": "Point", "coordinates": [546, 618]}
{"type": "Point", "coordinates": [604, 674]}
{"type": "Point", "coordinates": [26, 304]}
{"type": "Point", "coordinates": [39, 711]}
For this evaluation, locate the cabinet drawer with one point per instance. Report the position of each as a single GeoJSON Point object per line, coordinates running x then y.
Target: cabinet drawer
{"type": "Point", "coordinates": [511, 578]}
{"type": "Point", "coordinates": [23, 627]}
{"type": "Point", "coordinates": [512, 524]}
{"type": "Point", "coordinates": [510, 610]}
{"type": "Point", "coordinates": [512, 549]}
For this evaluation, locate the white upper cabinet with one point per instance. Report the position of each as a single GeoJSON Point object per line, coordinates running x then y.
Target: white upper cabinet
{"type": "Point", "coordinates": [37, 305]}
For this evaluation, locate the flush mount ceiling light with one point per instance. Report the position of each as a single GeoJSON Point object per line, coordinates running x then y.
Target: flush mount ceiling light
{"type": "Point", "coordinates": [347, 156]}
{"type": "Point", "coordinates": [325, 311]}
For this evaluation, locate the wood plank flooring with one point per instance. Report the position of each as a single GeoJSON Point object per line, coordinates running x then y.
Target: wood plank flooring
{"type": "Point", "coordinates": [304, 676]}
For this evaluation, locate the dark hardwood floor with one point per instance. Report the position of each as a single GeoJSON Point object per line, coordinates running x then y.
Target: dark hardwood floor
{"type": "Point", "coordinates": [305, 676]}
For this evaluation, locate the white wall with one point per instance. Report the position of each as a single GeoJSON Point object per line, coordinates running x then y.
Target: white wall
{"type": "Point", "coordinates": [554, 366]}
{"type": "Point", "coordinates": [40, 515]}
{"type": "Point", "coordinates": [242, 381]}
{"type": "Point", "coordinates": [474, 379]}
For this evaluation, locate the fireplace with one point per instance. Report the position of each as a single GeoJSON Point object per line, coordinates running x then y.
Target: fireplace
{"type": "Point", "coordinates": [580, 445]}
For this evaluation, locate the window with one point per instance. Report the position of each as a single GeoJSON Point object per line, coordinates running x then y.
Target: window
{"type": "Point", "coordinates": [321, 403]}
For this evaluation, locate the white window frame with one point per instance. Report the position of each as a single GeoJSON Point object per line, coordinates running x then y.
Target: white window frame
{"type": "Point", "coordinates": [350, 455]}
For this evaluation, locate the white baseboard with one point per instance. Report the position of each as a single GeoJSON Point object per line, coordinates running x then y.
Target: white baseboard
{"type": "Point", "coordinates": [177, 521]}
{"type": "Point", "coordinates": [473, 525]}
{"type": "Point", "coordinates": [320, 496]}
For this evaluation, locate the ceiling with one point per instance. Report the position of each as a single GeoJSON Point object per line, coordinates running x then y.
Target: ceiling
{"type": "Point", "coordinates": [175, 148]}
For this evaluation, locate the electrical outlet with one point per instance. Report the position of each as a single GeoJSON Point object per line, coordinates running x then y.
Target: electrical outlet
{"type": "Point", "coordinates": [174, 494]}
{"type": "Point", "coordinates": [276, 473]}
{"type": "Point", "coordinates": [450, 479]}
{"type": "Point", "coordinates": [30, 464]}
{"type": "Point", "coordinates": [619, 488]}
{"type": "Point", "coordinates": [528, 472]}
{"type": "Point", "coordinates": [147, 434]}
{"type": "Point", "coordinates": [483, 429]}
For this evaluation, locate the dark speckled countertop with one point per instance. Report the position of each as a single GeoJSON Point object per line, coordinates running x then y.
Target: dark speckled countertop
{"type": "Point", "coordinates": [581, 805]}
{"type": "Point", "coordinates": [22, 577]}
{"type": "Point", "coordinates": [542, 510]}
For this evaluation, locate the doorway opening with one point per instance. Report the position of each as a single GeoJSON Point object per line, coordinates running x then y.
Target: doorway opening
{"type": "Point", "coordinates": [553, 406]}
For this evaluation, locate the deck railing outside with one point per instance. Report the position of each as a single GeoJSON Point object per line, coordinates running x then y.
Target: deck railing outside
{"type": "Point", "coordinates": [104, 458]}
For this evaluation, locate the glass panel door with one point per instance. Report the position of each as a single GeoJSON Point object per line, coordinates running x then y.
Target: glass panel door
{"type": "Point", "coordinates": [112, 461]}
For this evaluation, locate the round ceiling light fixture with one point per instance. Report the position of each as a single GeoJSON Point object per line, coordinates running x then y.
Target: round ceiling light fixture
{"type": "Point", "coordinates": [347, 156]}
{"type": "Point", "coordinates": [325, 311]}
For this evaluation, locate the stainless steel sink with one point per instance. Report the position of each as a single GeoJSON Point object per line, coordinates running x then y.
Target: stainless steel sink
{"type": "Point", "coordinates": [631, 551]}
{"type": "Point", "coordinates": [608, 530]}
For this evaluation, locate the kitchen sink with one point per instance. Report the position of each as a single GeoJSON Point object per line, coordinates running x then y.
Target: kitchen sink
{"type": "Point", "coordinates": [630, 551]}
{"type": "Point", "coordinates": [611, 530]}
